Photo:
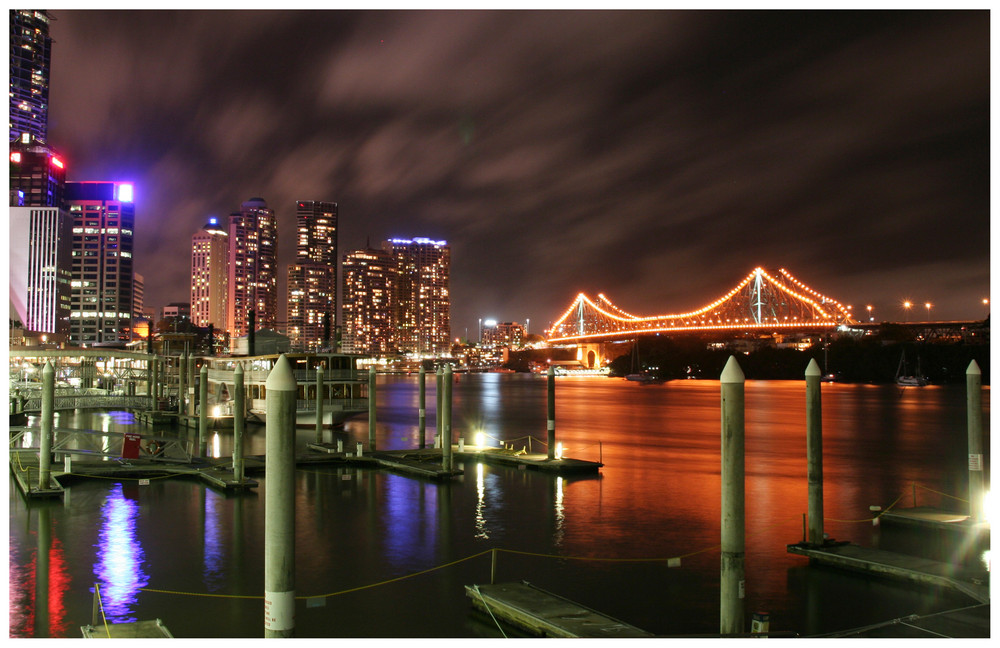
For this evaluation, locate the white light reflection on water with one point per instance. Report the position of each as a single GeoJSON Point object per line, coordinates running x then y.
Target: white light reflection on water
{"type": "Point", "coordinates": [560, 512]}
{"type": "Point", "coordinates": [481, 531]}
{"type": "Point", "coordinates": [119, 557]}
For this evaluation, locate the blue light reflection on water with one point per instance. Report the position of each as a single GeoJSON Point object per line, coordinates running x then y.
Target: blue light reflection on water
{"type": "Point", "coordinates": [118, 570]}
{"type": "Point", "coordinates": [214, 550]}
{"type": "Point", "coordinates": [408, 506]}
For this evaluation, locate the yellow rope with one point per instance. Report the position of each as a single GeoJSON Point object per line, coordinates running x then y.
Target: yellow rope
{"type": "Point", "coordinates": [940, 493]}
{"type": "Point", "coordinates": [97, 590]}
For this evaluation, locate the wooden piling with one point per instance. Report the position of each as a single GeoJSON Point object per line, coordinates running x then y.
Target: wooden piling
{"type": "Point", "coordinates": [320, 388]}
{"type": "Point", "coordinates": [974, 400]}
{"type": "Point", "coordinates": [239, 422]}
{"type": "Point", "coordinates": [446, 454]}
{"type": "Point", "coordinates": [552, 412]}
{"type": "Point", "coordinates": [732, 580]}
{"type": "Point", "coordinates": [422, 412]}
{"type": "Point", "coordinates": [814, 451]}
{"type": "Point", "coordinates": [48, 424]}
{"type": "Point", "coordinates": [279, 503]}
{"type": "Point", "coordinates": [202, 408]}
{"type": "Point", "coordinates": [371, 408]}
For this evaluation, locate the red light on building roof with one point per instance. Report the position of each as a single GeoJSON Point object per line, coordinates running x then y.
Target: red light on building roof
{"type": "Point", "coordinates": [57, 162]}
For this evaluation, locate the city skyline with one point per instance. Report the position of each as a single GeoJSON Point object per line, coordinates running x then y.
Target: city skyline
{"type": "Point", "coordinates": [656, 157]}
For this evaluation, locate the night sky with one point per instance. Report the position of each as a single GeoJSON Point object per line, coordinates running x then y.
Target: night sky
{"type": "Point", "coordinates": [657, 156]}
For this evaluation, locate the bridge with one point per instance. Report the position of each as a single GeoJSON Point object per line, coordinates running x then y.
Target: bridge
{"type": "Point", "coordinates": [764, 301]}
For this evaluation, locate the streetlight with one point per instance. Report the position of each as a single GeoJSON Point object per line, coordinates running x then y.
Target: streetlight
{"type": "Point", "coordinates": [870, 318]}
{"type": "Point", "coordinates": [928, 307]}
{"type": "Point", "coordinates": [906, 309]}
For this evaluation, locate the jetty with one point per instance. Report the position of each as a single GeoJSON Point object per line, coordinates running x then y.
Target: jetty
{"type": "Point", "coordinates": [135, 630]}
{"type": "Point", "coordinates": [897, 566]}
{"type": "Point", "coordinates": [545, 614]}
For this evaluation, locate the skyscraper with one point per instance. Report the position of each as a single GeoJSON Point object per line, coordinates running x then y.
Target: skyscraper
{"type": "Point", "coordinates": [423, 295]}
{"type": "Point", "coordinates": [41, 232]}
{"type": "Point", "coordinates": [369, 300]}
{"type": "Point", "coordinates": [210, 275]}
{"type": "Point", "coordinates": [103, 230]}
{"type": "Point", "coordinates": [30, 54]}
{"type": "Point", "coordinates": [312, 279]}
{"type": "Point", "coordinates": [253, 279]}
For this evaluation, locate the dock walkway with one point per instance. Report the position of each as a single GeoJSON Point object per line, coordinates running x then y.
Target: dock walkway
{"type": "Point", "coordinates": [545, 614]}
{"type": "Point", "coordinates": [896, 565]}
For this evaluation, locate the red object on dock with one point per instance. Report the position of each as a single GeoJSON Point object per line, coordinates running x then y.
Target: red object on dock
{"type": "Point", "coordinates": [130, 445]}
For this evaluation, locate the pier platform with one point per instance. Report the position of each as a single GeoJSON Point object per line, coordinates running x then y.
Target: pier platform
{"type": "Point", "coordinates": [898, 566]}
{"type": "Point", "coordinates": [932, 518]}
{"type": "Point", "coordinates": [531, 461]}
{"type": "Point", "coordinates": [136, 630]}
{"type": "Point", "coordinates": [545, 614]}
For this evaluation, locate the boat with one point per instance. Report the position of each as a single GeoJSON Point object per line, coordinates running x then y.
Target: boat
{"type": "Point", "coordinates": [345, 386]}
{"type": "Point", "coordinates": [916, 380]}
{"type": "Point", "coordinates": [643, 376]}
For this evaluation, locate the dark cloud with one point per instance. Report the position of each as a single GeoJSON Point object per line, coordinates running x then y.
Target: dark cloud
{"type": "Point", "coordinates": [653, 156]}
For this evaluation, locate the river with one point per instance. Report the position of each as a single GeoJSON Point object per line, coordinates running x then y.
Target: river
{"type": "Point", "coordinates": [605, 541]}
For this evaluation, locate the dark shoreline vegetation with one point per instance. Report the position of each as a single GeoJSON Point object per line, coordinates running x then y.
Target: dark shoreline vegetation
{"type": "Point", "coordinates": [871, 359]}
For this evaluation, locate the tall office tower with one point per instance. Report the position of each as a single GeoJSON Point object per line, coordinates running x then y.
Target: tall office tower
{"type": "Point", "coordinates": [103, 225]}
{"type": "Point", "coordinates": [138, 295]}
{"type": "Point", "coordinates": [30, 52]}
{"type": "Point", "coordinates": [253, 256]}
{"type": "Point", "coordinates": [41, 233]}
{"type": "Point", "coordinates": [312, 279]}
{"type": "Point", "coordinates": [423, 295]}
{"type": "Point", "coordinates": [37, 174]}
{"type": "Point", "coordinates": [210, 275]}
{"type": "Point", "coordinates": [369, 300]}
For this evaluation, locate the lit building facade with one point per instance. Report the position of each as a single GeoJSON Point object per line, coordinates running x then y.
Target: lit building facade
{"type": "Point", "coordinates": [40, 268]}
{"type": "Point", "coordinates": [422, 308]}
{"type": "Point", "coordinates": [505, 335]}
{"type": "Point", "coordinates": [253, 279]}
{"type": "Point", "coordinates": [103, 232]}
{"type": "Point", "coordinates": [312, 279]}
{"type": "Point", "coordinates": [369, 302]}
{"type": "Point", "coordinates": [41, 238]}
{"type": "Point", "coordinates": [210, 275]}
{"type": "Point", "coordinates": [30, 58]}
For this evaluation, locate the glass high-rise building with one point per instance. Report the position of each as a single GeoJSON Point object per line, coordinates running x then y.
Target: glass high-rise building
{"type": "Point", "coordinates": [30, 56]}
{"type": "Point", "coordinates": [253, 263]}
{"type": "Point", "coordinates": [312, 279]}
{"type": "Point", "coordinates": [103, 234]}
{"type": "Point", "coordinates": [422, 306]}
{"type": "Point", "coordinates": [369, 302]}
{"type": "Point", "coordinates": [41, 233]}
{"type": "Point", "coordinates": [210, 275]}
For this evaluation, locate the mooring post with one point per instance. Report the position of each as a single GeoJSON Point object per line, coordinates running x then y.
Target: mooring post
{"type": "Point", "coordinates": [239, 422]}
{"type": "Point", "coordinates": [422, 411]}
{"type": "Point", "coordinates": [446, 460]}
{"type": "Point", "coordinates": [48, 422]}
{"type": "Point", "coordinates": [814, 452]}
{"type": "Point", "coordinates": [732, 581]}
{"type": "Point", "coordinates": [552, 413]}
{"type": "Point", "coordinates": [974, 399]}
{"type": "Point", "coordinates": [202, 408]}
{"type": "Point", "coordinates": [371, 408]}
{"type": "Point", "coordinates": [154, 384]}
{"type": "Point", "coordinates": [320, 396]}
{"type": "Point", "coordinates": [437, 413]}
{"type": "Point", "coordinates": [279, 503]}
{"type": "Point", "coordinates": [192, 366]}
{"type": "Point", "coordinates": [181, 389]}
